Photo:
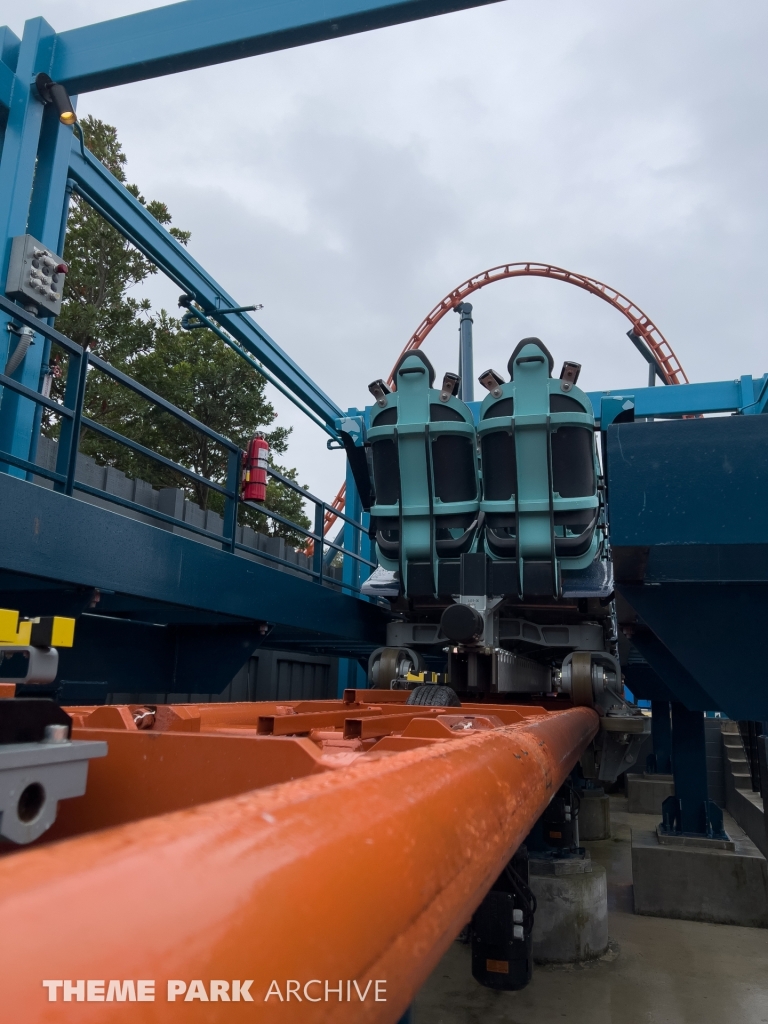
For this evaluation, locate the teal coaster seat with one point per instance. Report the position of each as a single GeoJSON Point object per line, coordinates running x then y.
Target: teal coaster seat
{"type": "Point", "coordinates": [539, 475]}
{"type": "Point", "coordinates": [427, 494]}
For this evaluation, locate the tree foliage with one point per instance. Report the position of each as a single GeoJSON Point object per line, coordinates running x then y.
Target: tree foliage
{"type": "Point", "coordinates": [194, 371]}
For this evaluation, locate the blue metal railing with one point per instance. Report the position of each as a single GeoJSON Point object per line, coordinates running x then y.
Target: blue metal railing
{"type": "Point", "coordinates": [73, 421]}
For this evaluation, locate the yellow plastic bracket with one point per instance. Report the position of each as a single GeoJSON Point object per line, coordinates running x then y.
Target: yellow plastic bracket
{"type": "Point", "coordinates": [9, 624]}
{"type": "Point", "coordinates": [51, 631]}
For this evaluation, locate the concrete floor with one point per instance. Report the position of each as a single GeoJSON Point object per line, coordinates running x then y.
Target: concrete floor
{"type": "Point", "coordinates": [656, 971]}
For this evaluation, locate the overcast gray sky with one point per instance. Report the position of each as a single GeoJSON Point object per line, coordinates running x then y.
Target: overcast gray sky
{"type": "Point", "coordinates": [349, 185]}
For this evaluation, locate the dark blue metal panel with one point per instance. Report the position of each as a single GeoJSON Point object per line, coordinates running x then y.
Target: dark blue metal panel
{"type": "Point", "coordinates": [717, 633]}
{"type": "Point", "coordinates": [682, 482]}
{"type": "Point", "coordinates": [202, 32]}
{"type": "Point", "coordinates": [54, 537]}
{"type": "Point", "coordinates": [688, 515]}
{"type": "Point", "coordinates": [101, 188]}
{"type": "Point", "coordinates": [661, 733]}
{"type": "Point", "coordinates": [139, 656]}
{"type": "Point", "coordinates": [672, 681]}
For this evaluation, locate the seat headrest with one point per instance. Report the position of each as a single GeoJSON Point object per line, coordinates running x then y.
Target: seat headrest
{"type": "Point", "coordinates": [538, 343]}
{"type": "Point", "coordinates": [418, 354]}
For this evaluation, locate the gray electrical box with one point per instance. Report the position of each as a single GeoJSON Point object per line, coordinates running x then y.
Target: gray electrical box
{"type": "Point", "coordinates": [35, 275]}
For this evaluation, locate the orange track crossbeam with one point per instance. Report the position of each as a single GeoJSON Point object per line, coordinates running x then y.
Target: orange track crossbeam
{"type": "Point", "coordinates": [360, 874]}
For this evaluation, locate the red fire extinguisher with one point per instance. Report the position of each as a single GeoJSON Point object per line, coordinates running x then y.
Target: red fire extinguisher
{"type": "Point", "coordinates": [255, 470]}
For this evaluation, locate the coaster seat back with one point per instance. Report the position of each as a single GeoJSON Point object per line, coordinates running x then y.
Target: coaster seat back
{"type": "Point", "coordinates": [424, 457]}
{"type": "Point", "coordinates": [539, 474]}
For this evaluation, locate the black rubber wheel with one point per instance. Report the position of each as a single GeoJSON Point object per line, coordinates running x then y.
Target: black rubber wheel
{"type": "Point", "coordinates": [432, 695]}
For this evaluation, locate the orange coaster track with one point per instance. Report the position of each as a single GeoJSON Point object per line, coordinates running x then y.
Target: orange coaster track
{"type": "Point", "coordinates": [642, 325]}
{"type": "Point", "coordinates": [313, 841]}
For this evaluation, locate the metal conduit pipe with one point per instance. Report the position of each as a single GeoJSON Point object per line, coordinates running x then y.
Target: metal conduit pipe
{"type": "Point", "coordinates": [366, 873]}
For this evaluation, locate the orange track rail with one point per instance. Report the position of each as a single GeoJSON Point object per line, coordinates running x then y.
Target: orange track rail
{"type": "Point", "coordinates": [641, 323]}
{"type": "Point", "coordinates": [364, 869]}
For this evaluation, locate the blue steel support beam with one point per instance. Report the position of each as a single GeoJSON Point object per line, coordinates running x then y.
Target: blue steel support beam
{"type": "Point", "coordinates": [197, 33]}
{"type": "Point", "coordinates": [9, 47]}
{"type": "Point", "coordinates": [20, 418]}
{"type": "Point", "coordinates": [7, 79]}
{"type": "Point", "coordinates": [105, 192]}
{"type": "Point", "coordinates": [18, 164]}
{"type": "Point", "coordinates": [745, 395]}
{"type": "Point", "coordinates": [9, 54]}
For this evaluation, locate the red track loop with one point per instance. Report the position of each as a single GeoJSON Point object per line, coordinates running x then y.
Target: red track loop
{"type": "Point", "coordinates": [641, 324]}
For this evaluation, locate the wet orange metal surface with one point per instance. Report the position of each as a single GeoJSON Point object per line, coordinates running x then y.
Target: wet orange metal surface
{"type": "Point", "coordinates": [319, 854]}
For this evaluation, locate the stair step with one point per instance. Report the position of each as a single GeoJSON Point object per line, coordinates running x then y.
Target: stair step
{"type": "Point", "coordinates": [756, 799]}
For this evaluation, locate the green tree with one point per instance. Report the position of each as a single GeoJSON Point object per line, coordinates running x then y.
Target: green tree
{"type": "Point", "coordinates": [195, 371]}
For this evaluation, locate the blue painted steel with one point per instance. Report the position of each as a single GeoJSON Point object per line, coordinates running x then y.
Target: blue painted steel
{"type": "Point", "coordinates": [64, 476]}
{"type": "Point", "coordinates": [173, 659]}
{"type": "Point", "coordinates": [9, 48]}
{"type": "Point", "coordinates": [194, 320]}
{"type": "Point", "coordinates": [689, 767]}
{"type": "Point", "coordinates": [350, 573]}
{"type": "Point", "coordinates": [17, 173]}
{"type": "Point", "coordinates": [661, 733]}
{"type": "Point", "coordinates": [107, 194]}
{"type": "Point", "coordinates": [715, 634]}
{"type": "Point", "coordinates": [7, 80]}
{"type": "Point", "coordinates": [697, 481]}
{"type": "Point", "coordinates": [744, 395]}
{"type": "Point", "coordinates": [688, 516]}
{"type": "Point", "coordinates": [63, 542]}
{"type": "Point", "coordinates": [198, 33]}
{"type": "Point", "coordinates": [747, 395]}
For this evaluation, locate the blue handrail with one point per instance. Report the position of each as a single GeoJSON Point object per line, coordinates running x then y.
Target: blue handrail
{"type": "Point", "coordinates": [73, 421]}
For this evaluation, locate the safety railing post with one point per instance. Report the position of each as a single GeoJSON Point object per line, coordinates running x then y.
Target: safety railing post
{"type": "Point", "coordinates": [234, 464]}
{"type": "Point", "coordinates": [69, 438]}
{"type": "Point", "coordinates": [350, 573]}
{"type": "Point", "coordinates": [317, 552]}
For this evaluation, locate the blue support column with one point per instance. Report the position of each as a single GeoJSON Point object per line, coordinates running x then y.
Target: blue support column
{"type": "Point", "coordinates": [661, 733]}
{"type": "Point", "coordinates": [47, 222]}
{"type": "Point", "coordinates": [351, 675]}
{"type": "Point", "coordinates": [689, 767]}
{"type": "Point", "coordinates": [350, 573]}
{"type": "Point", "coordinates": [21, 160]}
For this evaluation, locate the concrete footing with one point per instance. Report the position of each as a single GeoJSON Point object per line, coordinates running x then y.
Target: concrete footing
{"type": "Point", "coordinates": [571, 922]}
{"type": "Point", "coordinates": [594, 816]}
{"type": "Point", "coordinates": [701, 881]}
{"type": "Point", "coordinates": [646, 793]}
